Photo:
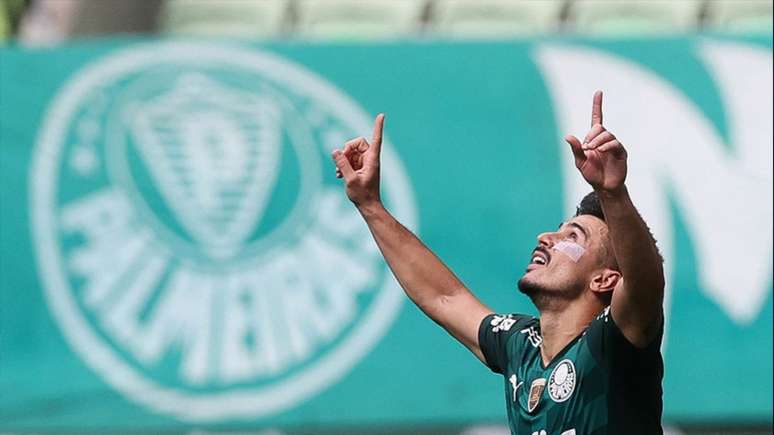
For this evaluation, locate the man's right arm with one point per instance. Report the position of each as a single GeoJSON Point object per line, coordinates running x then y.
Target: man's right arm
{"type": "Point", "coordinates": [425, 279]}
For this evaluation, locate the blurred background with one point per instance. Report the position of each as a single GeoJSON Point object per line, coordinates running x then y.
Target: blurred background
{"type": "Point", "coordinates": [178, 257]}
{"type": "Point", "coordinates": [55, 21]}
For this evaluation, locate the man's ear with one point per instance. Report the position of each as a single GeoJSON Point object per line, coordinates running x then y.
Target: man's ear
{"type": "Point", "coordinates": [605, 280]}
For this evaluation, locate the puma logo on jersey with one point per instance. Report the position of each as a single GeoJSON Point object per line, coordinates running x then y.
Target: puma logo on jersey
{"type": "Point", "coordinates": [515, 386]}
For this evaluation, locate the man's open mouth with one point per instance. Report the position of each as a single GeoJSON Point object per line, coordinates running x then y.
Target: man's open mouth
{"type": "Point", "coordinates": [540, 256]}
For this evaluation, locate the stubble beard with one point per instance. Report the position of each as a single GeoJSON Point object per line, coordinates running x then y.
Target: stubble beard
{"type": "Point", "coordinates": [542, 296]}
{"type": "Point", "coordinates": [534, 291]}
{"type": "Point", "coordinates": [527, 287]}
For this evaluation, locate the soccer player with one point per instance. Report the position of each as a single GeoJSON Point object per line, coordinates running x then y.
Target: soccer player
{"type": "Point", "coordinates": [591, 363]}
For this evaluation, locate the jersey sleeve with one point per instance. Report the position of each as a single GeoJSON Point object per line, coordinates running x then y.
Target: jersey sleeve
{"type": "Point", "coordinates": [494, 333]}
{"type": "Point", "coordinates": [612, 349]}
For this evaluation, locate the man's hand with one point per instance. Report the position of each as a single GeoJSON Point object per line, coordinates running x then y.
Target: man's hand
{"type": "Point", "coordinates": [358, 164]}
{"type": "Point", "coordinates": [601, 158]}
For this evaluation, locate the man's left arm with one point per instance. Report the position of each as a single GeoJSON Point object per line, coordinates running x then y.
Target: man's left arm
{"type": "Point", "coordinates": [637, 302]}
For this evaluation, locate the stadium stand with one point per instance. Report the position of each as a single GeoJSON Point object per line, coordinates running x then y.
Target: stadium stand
{"type": "Point", "coordinates": [484, 18]}
{"type": "Point", "coordinates": [232, 18]}
{"type": "Point", "coordinates": [50, 21]}
{"type": "Point", "coordinates": [739, 15]}
{"type": "Point", "coordinates": [5, 23]}
{"type": "Point", "coordinates": [10, 13]}
{"type": "Point", "coordinates": [617, 17]}
{"type": "Point", "coordinates": [355, 19]}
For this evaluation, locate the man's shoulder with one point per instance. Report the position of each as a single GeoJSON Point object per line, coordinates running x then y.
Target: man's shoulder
{"type": "Point", "coordinates": [608, 345]}
{"type": "Point", "coordinates": [509, 323]}
{"type": "Point", "coordinates": [508, 326]}
{"type": "Point", "coordinates": [505, 326]}
{"type": "Point", "coordinates": [497, 337]}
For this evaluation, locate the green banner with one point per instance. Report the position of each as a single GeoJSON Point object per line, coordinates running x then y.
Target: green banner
{"type": "Point", "coordinates": [177, 252]}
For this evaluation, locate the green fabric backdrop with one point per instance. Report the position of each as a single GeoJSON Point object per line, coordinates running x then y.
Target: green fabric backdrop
{"type": "Point", "coordinates": [475, 166]}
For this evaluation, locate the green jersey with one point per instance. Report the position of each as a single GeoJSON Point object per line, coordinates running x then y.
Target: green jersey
{"type": "Point", "coordinates": [599, 384]}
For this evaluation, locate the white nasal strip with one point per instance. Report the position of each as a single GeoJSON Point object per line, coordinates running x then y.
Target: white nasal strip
{"type": "Point", "coordinates": [570, 249]}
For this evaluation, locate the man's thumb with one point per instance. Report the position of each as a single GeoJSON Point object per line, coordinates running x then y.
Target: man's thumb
{"type": "Point", "coordinates": [577, 149]}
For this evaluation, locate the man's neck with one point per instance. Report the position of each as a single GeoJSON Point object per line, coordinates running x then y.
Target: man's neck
{"type": "Point", "coordinates": [560, 325]}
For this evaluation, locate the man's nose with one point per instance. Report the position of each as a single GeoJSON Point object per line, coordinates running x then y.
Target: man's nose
{"type": "Point", "coordinates": [546, 239]}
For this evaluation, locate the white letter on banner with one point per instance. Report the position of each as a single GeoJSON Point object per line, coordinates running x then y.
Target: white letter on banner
{"type": "Point", "coordinates": [103, 220]}
{"type": "Point", "coordinates": [725, 196]}
{"type": "Point", "coordinates": [182, 318]}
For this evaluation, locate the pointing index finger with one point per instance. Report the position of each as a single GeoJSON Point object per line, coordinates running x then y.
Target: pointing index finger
{"type": "Point", "coordinates": [376, 141]}
{"type": "Point", "coordinates": [596, 109]}
{"type": "Point", "coordinates": [378, 127]}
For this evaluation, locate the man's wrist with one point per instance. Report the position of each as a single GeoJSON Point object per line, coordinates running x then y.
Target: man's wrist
{"type": "Point", "coordinates": [612, 194]}
{"type": "Point", "coordinates": [371, 209]}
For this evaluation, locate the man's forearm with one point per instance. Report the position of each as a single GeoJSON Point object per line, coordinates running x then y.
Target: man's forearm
{"type": "Point", "coordinates": [426, 280]}
{"type": "Point", "coordinates": [633, 244]}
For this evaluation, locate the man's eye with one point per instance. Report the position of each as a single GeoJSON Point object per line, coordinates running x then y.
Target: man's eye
{"type": "Point", "coordinates": [573, 236]}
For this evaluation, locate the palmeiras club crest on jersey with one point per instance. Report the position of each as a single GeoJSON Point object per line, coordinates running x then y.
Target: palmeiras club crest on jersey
{"type": "Point", "coordinates": [561, 383]}
{"type": "Point", "coordinates": [196, 249]}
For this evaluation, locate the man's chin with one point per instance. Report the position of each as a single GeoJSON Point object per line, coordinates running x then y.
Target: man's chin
{"type": "Point", "coordinates": [527, 286]}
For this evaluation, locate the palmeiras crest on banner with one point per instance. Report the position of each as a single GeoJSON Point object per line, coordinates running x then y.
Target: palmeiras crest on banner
{"type": "Point", "coordinates": [196, 250]}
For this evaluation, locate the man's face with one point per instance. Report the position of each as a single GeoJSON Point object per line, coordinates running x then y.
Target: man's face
{"type": "Point", "coordinates": [563, 263]}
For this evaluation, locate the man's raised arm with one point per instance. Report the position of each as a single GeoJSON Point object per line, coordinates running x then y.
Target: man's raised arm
{"type": "Point", "coordinates": [637, 301]}
{"type": "Point", "coordinates": [425, 279]}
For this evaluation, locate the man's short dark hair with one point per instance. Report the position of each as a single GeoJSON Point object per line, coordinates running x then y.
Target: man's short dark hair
{"type": "Point", "coordinates": [590, 205]}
